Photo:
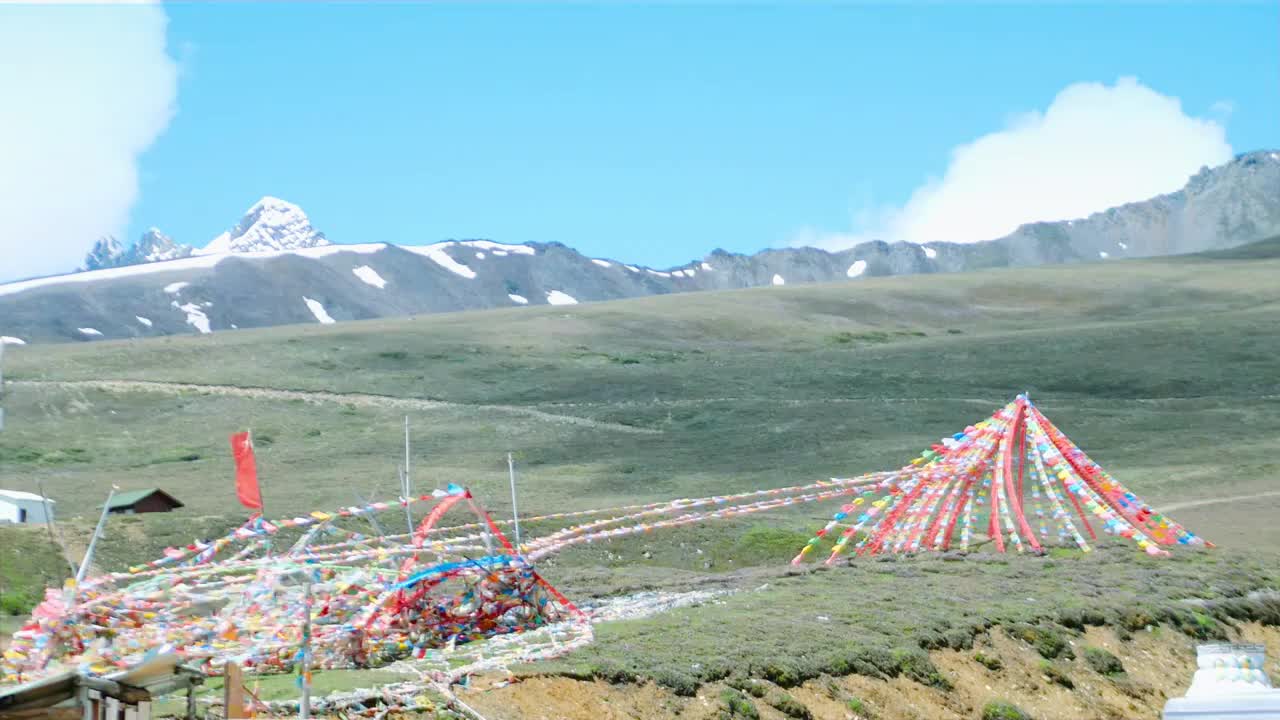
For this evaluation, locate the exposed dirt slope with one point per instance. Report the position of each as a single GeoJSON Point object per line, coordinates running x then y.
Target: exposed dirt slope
{"type": "Point", "coordinates": [1158, 665]}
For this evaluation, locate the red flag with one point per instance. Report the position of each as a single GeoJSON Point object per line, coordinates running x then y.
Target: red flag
{"type": "Point", "coordinates": [246, 471]}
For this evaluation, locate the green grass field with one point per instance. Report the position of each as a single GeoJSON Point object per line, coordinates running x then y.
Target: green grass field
{"type": "Point", "coordinates": [1166, 371]}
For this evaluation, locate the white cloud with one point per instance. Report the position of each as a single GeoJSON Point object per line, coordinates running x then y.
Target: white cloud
{"type": "Point", "coordinates": [85, 89]}
{"type": "Point", "coordinates": [1095, 146]}
{"type": "Point", "coordinates": [1222, 109]}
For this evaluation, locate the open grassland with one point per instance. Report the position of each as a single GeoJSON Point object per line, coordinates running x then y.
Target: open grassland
{"type": "Point", "coordinates": [1167, 372]}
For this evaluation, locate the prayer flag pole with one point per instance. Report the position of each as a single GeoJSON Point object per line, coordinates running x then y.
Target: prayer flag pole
{"type": "Point", "coordinates": [305, 678]}
{"type": "Point", "coordinates": [262, 503]}
{"type": "Point", "coordinates": [97, 533]}
{"type": "Point", "coordinates": [515, 509]}
{"type": "Point", "coordinates": [48, 523]}
{"type": "Point", "coordinates": [406, 483]}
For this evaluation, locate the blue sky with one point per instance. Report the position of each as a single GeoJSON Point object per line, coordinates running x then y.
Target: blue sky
{"type": "Point", "coordinates": [651, 133]}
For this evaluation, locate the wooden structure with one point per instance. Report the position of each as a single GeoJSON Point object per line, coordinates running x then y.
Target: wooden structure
{"type": "Point", "coordinates": [136, 502]}
{"type": "Point", "coordinates": [125, 695]}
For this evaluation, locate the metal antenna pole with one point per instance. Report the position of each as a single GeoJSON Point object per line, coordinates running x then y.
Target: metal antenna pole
{"type": "Point", "coordinates": [515, 508]}
{"type": "Point", "coordinates": [97, 533]}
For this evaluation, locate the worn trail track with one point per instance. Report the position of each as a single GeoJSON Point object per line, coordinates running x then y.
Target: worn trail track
{"type": "Point", "coordinates": [1215, 500]}
{"type": "Point", "coordinates": [358, 399]}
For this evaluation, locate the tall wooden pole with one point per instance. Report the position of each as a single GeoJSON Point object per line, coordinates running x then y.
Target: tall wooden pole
{"type": "Point", "coordinates": [232, 692]}
{"type": "Point", "coordinates": [48, 523]}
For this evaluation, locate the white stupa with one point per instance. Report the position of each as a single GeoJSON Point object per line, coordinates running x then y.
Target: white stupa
{"type": "Point", "coordinates": [1230, 682]}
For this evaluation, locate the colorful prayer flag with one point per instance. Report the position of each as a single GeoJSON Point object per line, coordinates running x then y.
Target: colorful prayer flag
{"type": "Point", "coordinates": [246, 471]}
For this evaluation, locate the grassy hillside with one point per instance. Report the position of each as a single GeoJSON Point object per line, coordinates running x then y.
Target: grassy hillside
{"type": "Point", "coordinates": [1164, 370]}
{"type": "Point", "coordinates": [29, 562]}
{"type": "Point", "coordinates": [1167, 372]}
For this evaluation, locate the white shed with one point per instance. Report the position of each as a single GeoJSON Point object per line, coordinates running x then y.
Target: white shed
{"type": "Point", "coordinates": [23, 507]}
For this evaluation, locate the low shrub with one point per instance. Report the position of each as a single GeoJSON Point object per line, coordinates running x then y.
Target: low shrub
{"type": "Point", "coordinates": [677, 682]}
{"type": "Point", "coordinates": [737, 705]}
{"type": "Point", "coordinates": [990, 662]}
{"type": "Point", "coordinates": [789, 706]}
{"type": "Point", "coordinates": [1080, 618]}
{"type": "Point", "coordinates": [1001, 710]}
{"type": "Point", "coordinates": [750, 686]}
{"type": "Point", "coordinates": [916, 665]}
{"type": "Point", "coordinates": [1056, 675]}
{"type": "Point", "coordinates": [859, 708]}
{"type": "Point", "coordinates": [1046, 639]}
{"type": "Point", "coordinates": [1103, 662]}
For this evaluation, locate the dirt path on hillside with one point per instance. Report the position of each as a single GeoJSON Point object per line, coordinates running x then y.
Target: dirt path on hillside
{"type": "Point", "coordinates": [993, 402]}
{"type": "Point", "coordinates": [358, 399]}
{"type": "Point", "coordinates": [1215, 500]}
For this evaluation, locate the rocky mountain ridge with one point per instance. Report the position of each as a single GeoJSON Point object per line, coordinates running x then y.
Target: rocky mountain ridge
{"type": "Point", "coordinates": [273, 267]}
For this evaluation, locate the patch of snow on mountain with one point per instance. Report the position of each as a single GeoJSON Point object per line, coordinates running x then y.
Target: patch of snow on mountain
{"type": "Point", "coordinates": [175, 288]}
{"type": "Point", "coordinates": [602, 263]}
{"type": "Point", "coordinates": [555, 297]}
{"type": "Point", "coordinates": [1122, 245]}
{"type": "Point", "coordinates": [857, 268]}
{"type": "Point", "coordinates": [324, 250]}
{"type": "Point", "coordinates": [500, 253]}
{"type": "Point", "coordinates": [369, 276]}
{"type": "Point", "coordinates": [479, 256]}
{"type": "Point", "coordinates": [144, 321]}
{"type": "Point", "coordinates": [440, 257]}
{"type": "Point", "coordinates": [217, 246]}
{"type": "Point", "coordinates": [779, 280]}
{"type": "Point", "coordinates": [109, 274]}
{"type": "Point", "coordinates": [196, 318]}
{"type": "Point", "coordinates": [518, 299]}
{"type": "Point", "coordinates": [1103, 254]}
{"type": "Point", "coordinates": [89, 331]}
{"type": "Point", "coordinates": [632, 268]}
{"type": "Point", "coordinates": [706, 266]}
{"type": "Point", "coordinates": [690, 272]}
{"type": "Point", "coordinates": [929, 252]}
{"type": "Point", "coordinates": [202, 260]}
{"type": "Point", "coordinates": [10, 340]}
{"type": "Point", "coordinates": [500, 247]}
{"type": "Point", "coordinates": [271, 224]}
{"type": "Point", "coordinates": [318, 310]}
{"type": "Point", "coordinates": [677, 273]}
{"type": "Point", "coordinates": [659, 273]}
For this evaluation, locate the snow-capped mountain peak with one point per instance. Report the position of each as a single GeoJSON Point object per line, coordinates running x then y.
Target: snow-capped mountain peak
{"type": "Point", "coordinates": [155, 246]}
{"type": "Point", "coordinates": [271, 224]}
{"type": "Point", "coordinates": [106, 252]}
